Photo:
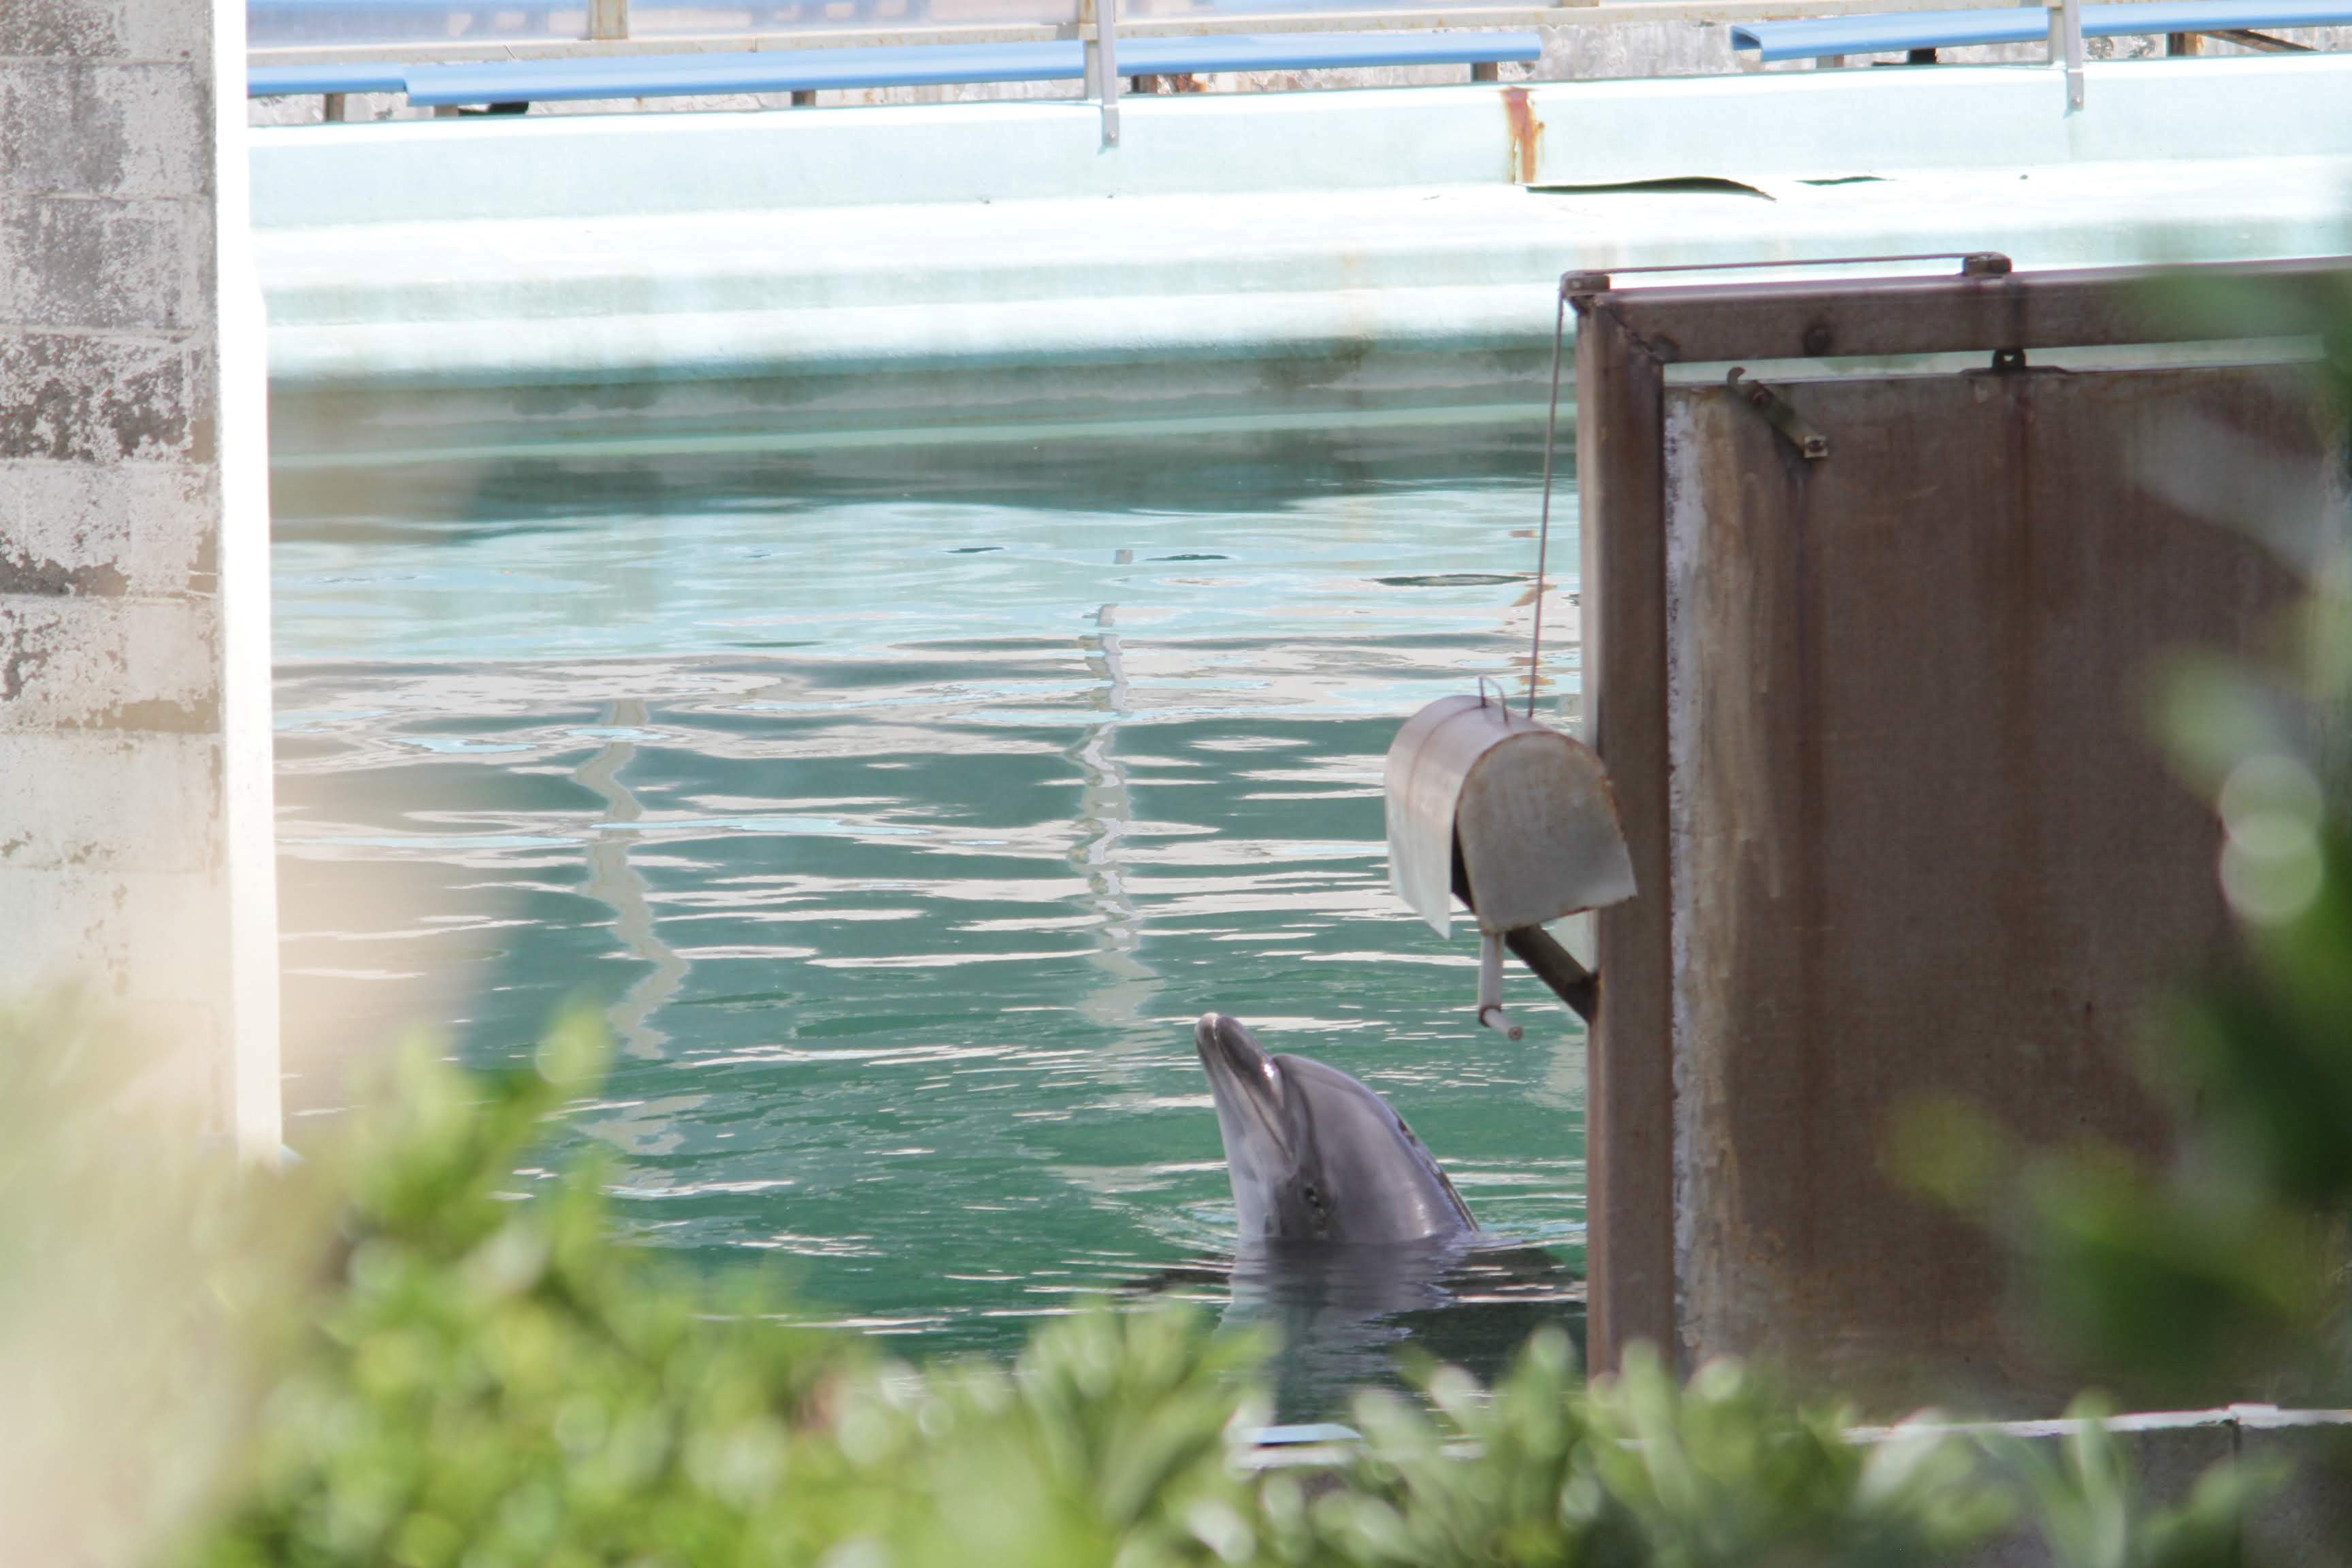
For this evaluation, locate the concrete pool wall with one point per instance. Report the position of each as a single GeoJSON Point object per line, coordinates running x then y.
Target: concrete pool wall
{"type": "Point", "coordinates": [741, 278]}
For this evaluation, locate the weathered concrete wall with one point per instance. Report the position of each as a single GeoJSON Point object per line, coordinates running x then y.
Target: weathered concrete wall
{"type": "Point", "coordinates": [123, 744]}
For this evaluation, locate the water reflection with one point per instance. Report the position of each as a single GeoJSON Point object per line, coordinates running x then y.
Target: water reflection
{"type": "Point", "coordinates": [613, 879]}
{"type": "Point", "coordinates": [903, 818]}
{"type": "Point", "coordinates": [1106, 808]}
{"type": "Point", "coordinates": [1341, 1312]}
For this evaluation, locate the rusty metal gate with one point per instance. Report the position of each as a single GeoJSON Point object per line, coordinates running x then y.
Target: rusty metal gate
{"type": "Point", "coordinates": [1866, 657]}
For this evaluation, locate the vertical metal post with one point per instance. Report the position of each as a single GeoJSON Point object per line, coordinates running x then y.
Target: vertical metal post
{"type": "Point", "coordinates": [608, 18]}
{"type": "Point", "coordinates": [1629, 1074]}
{"type": "Point", "coordinates": [1099, 21]}
{"type": "Point", "coordinates": [336, 108]}
{"type": "Point", "coordinates": [2066, 44]}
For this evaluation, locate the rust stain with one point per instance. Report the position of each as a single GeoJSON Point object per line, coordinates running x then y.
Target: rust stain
{"type": "Point", "coordinates": [1527, 133]}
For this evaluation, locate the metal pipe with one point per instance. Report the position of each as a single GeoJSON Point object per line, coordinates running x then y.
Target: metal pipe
{"type": "Point", "coordinates": [1557, 968]}
{"type": "Point", "coordinates": [2066, 44]}
{"type": "Point", "coordinates": [1490, 988]}
{"type": "Point", "coordinates": [1102, 61]}
{"type": "Point", "coordinates": [1545, 958]}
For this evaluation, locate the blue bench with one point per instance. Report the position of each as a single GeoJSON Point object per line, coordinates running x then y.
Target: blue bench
{"type": "Point", "coordinates": [1906, 31]}
{"type": "Point", "coordinates": [315, 24]}
{"type": "Point", "coordinates": [579, 77]}
{"type": "Point", "coordinates": [301, 81]}
{"type": "Point", "coordinates": [1200, 54]}
{"type": "Point", "coordinates": [781, 70]}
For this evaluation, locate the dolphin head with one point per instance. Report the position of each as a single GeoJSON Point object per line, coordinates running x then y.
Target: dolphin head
{"type": "Point", "coordinates": [1314, 1155]}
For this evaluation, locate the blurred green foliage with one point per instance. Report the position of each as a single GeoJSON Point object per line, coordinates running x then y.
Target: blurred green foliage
{"type": "Point", "coordinates": [1638, 1468]}
{"type": "Point", "coordinates": [2086, 1500]}
{"type": "Point", "coordinates": [1719, 1473]}
{"type": "Point", "coordinates": [492, 1381]}
{"type": "Point", "coordinates": [492, 1378]}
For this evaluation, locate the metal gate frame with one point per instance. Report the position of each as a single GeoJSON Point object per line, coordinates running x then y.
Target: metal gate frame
{"type": "Point", "coordinates": [1625, 340]}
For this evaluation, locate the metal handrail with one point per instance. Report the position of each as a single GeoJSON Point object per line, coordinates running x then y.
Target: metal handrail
{"type": "Point", "coordinates": [1098, 25]}
{"type": "Point", "coordinates": [2065, 44]}
{"type": "Point", "coordinates": [616, 37]}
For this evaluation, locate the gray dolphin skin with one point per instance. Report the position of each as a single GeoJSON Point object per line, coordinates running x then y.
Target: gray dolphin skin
{"type": "Point", "coordinates": [1314, 1155]}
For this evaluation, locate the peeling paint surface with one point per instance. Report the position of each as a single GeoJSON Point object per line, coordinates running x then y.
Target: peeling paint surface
{"type": "Point", "coordinates": [1921, 845]}
{"type": "Point", "coordinates": [1526, 133]}
{"type": "Point", "coordinates": [79, 398]}
{"type": "Point", "coordinates": [113, 871]}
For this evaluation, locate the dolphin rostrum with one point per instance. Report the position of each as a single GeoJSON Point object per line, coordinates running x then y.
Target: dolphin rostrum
{"type": "Point", "coordinates": [1314, 1155]}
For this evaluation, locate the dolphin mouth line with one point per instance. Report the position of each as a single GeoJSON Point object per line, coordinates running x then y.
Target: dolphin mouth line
{"type": "Point", "coordinates": [1241, 1075]}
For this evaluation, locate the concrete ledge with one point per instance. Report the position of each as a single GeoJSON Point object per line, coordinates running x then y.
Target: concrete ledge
{"type": "Point", "coordinates": [772, 330]}
{"type": "Point", "coordinates": [1822, 124]}
{"type": "Point", "coordinates": [781, 276]}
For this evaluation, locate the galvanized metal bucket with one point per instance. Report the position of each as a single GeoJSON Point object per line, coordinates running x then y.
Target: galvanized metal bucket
{"type": "Point", "coordinates": [1529, 808]}
{"type": "Point", "coordinates": [1516, 816]}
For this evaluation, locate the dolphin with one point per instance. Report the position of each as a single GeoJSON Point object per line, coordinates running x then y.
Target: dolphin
{"type": "Point", "coordinates": [1314, 1155]}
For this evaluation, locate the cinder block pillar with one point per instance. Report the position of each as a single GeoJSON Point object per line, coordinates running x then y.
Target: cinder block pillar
{"type": "Point", "coordinates": [135, 843]}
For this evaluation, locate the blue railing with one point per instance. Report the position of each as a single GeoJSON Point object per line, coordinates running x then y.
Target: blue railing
{"type": "Point", "coordinates": [332, 24]}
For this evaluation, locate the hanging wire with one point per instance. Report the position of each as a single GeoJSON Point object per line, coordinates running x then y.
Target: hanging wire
{"type": "Point", "coordinates": [1543, 531]}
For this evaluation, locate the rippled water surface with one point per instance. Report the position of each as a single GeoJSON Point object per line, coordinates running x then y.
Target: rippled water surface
{"type": "Point", "coordinates": [901, 813]}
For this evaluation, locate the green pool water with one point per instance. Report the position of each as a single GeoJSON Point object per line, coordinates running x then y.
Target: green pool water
{"type": "Point", "coordinates": [901, 813]}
